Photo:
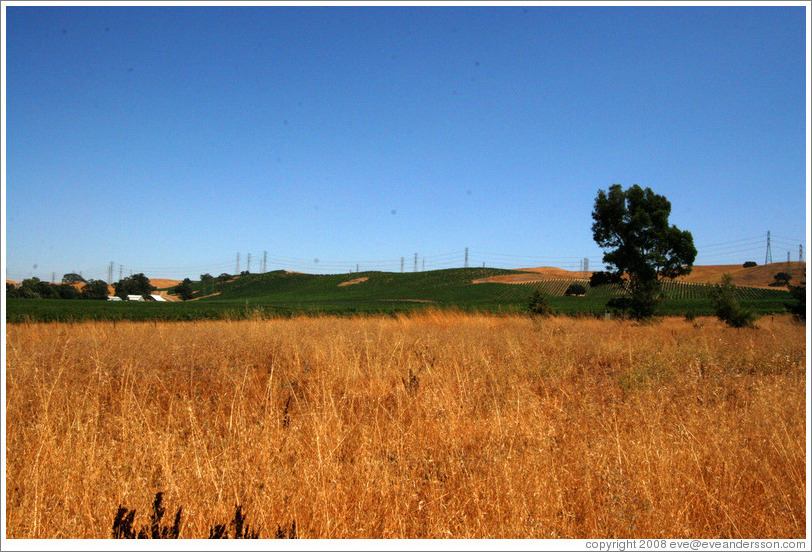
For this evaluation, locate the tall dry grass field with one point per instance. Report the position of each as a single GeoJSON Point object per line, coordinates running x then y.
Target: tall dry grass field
{"type": "Point", "coordinates": [432, 425]}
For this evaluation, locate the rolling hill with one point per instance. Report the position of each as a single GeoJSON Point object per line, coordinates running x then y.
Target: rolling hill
{"type": "Point", "coordinates": [758, 276]}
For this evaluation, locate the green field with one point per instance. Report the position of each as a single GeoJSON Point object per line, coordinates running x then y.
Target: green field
{"type": "Point", "coordinates": [281, 293]}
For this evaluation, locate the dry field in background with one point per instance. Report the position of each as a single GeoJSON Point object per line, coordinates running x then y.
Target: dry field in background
{"type": "Point", "coordinates": [426, 426]}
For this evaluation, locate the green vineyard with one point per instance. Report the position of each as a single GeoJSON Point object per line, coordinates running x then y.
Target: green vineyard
{"type": "Point", "coordinates": [670, 290]}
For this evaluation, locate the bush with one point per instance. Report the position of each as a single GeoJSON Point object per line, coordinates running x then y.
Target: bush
{"type": "Point", "coordinates": [781, 279]}
{"type": "Point", "coordinates": [750, 264]}
{"type": "Point", "coordinates": [575, 289]}
{"type": "Point", "coordinates": [727, 307]}
{"type": "Point", "coordinates": [539, 304]}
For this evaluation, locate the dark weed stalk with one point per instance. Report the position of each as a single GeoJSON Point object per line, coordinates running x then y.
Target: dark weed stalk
{"type": "Point", "coordinates": [285, 415]}
{"type": "Point", "coordinates": [241, 529]}
{"type": "Point", "coordinates": [123, 523]}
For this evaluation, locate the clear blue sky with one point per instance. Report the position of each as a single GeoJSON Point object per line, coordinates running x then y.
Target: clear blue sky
{"type": "Point", "coordinates": [168, 139]}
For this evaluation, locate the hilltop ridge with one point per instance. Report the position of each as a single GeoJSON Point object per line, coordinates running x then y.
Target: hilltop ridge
{"type": "Point", "coordinates": [760, 276]}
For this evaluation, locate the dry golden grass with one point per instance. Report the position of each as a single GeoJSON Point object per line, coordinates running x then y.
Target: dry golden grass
{"type": "Point", "coordinates": [432, 425]}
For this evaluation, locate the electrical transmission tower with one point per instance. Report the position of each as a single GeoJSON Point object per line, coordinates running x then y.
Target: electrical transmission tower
{"type": "Point", "coordinates": [415, 262]}
{"type": "Point", "coordinates": [264, 261]}
{"type": "Point", "coordinates": [801, 253]}
{"type": "Point", "coordinates": [110, 273]}
{"type": "Point", "coordinates": [768, 258]}
{"type": "Point", "coordinates": [586, 264]}
{"type": "Point", "coordinates": [402, 260]}
{"type": "Point", "coordinates": [237, 268]}
{"type": "Point", "coordinates": [466, 257]}
{"type": "Point", "coordinates": [249, 263]}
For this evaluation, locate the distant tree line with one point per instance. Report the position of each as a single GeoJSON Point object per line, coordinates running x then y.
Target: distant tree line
{"type": "Point", "coordinates": [34, 288]}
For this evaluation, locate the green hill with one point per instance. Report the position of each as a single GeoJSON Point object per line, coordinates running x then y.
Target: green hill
{"type": "Point", "coordinates": [362, 291]}
{"type": "Point", "coordinates": [455, 288]}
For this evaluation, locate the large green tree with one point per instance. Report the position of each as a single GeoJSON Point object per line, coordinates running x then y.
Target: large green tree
{"type": "Point", "coordinates": [632, 226]}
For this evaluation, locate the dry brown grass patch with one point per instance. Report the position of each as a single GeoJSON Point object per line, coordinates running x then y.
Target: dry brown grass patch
{"type": "Point", "coordinates": [428, 425]}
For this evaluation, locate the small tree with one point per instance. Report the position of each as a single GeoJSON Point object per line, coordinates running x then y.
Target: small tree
{"type": "Point", "coordinates": [207, 283]}
{"type": "Point", "coordinates": [540, 304]}
{"type": "Point", "coordinates": [727, 306]}
{"type": "Point", "coordinates": [184, 289]}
